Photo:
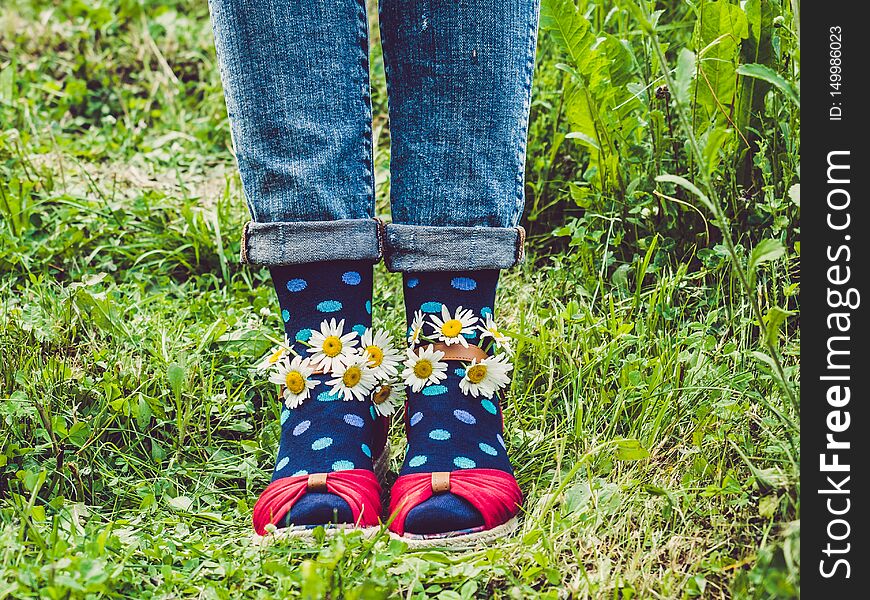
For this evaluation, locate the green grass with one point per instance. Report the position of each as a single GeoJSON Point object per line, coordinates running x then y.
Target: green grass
{"type": "Point", "coordinates": [651, 430]}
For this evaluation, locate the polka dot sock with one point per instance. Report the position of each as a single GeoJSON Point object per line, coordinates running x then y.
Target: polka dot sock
{"type": "Point", "coordinates": [448, 430]}
{"type": "Point", "coordinates": [325, 433]}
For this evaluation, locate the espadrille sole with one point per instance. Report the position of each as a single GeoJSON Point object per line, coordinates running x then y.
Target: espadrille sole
{"type": "Point", "coordinates": [462, 541]}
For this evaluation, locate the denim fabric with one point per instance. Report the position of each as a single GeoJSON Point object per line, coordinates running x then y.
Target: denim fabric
{"type": "Point", "coordinates": [297, 90]}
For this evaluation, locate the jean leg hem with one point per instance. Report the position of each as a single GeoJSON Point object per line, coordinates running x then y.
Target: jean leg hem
{"type": "Point", "coordinates": [432, 248]}
{"type": "Point", "coordinates": [295, 242]}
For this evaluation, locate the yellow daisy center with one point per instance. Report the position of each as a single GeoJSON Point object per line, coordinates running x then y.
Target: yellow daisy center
{"type": "Point", "coordinates": [276, 356]}
{"type": "Point", "coordinates": [332, 346]}
{"type": "Point", "coordinates": [476, 373]}
{"type": "Point", "coordinates": [423, 369]}
{"type": "Point", "coordinates": [381, 395]}
{"type": "Point", "coordinates": [295, 382]}
{"type": "Point", "coordinates": [351, 376]}
{"type": "Point", "coordinates": [376, 355]}
{"type": "Point", "coordinates": [452, 327]}
{"type": "Point", "coordinates": [494, 332]}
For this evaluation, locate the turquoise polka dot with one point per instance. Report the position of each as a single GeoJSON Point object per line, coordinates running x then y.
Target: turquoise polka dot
{"type": "Point", "coordinates": [488, 406]}
{"type": "Point", "coordinates": [464, 416]}
{"type": "Point", "coordinates": [301, 428]}
{"type": "Point", "coordinates": [360, 329]}
{"type": "Point", "coordinates": [282, 463]}
{"type": "Point", "coordinates": [500, 440]}
{"type": "Point", "coordinates": [459, 372]}
{"type": "Point", "coordinates": [296, 285]}
{"type": "Point", "coordinates": [285, 314]}
{"type": "Point", "coordinates": [470, 335]}
{"type": "Point", "coordinates": [485, 311]}
{"type": "Point", "coordinates": [434, 390]}
{"type": "Point", "coordinates": [412, 282]}
{"type": "Point", "coordinates": [431, 307]}
{"type": "Point", "coordinates": [327, 397]}
{"type": "Point", "coordinates": [366, 450]}
{"type": "Point", "coordinates": [285, 414]}
{"type": "Point", "coordinates": [417, 461]}
{"type": "Point", "coordinates": [415, 418]}
{"type": "Point", "coordinates": [464, 463]}
{"type": "Point", "coordinates": [354, 420]}
{"type": "Point", "coordinates": [329, 306]}
{"type": "Point", "coordinates": [463, 283]}
{"type": "Point", "coordinates": [373, 413]}
{"type": "Point", "coordinates": [300, 472]}
{"type": "Point", "coordinates": [342, 465]}
{"type": "Point", "coordinates": [303, 335]}
{"type": "Point", "coordinates": [351, 278]}
{"type": "Point", "coordinates": [487, 449]}
{"type": "Point", "coordinates": [321, 443]}
{"type": "Point", "coordinates": [439, 434]}
{"type": "Point", "coordinates": [369, 306]}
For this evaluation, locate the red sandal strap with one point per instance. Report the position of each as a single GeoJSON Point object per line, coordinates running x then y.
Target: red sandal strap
{"type": "Point", "coordinates": [358, 487]}
{"type": "Point", "coordinates": [495, 494]}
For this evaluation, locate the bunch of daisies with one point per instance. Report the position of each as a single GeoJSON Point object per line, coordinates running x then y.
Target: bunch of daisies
{"type": "Point", "coordinates": [367, 366]}
{"type": "Point", "coordinates": [360, 366]}
{"type": "Point", "coordinates": [424, 367]}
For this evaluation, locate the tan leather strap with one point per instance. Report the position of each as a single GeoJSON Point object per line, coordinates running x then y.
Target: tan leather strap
{"type": "Point", "coordinates": [460, 352]}
{"type": "Point", "coordinates": [316, 482]}
{"type": "Point", "coordinates": [440, 482]}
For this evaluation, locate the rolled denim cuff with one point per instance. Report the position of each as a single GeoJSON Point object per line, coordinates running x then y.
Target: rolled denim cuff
{"type": "Point", "coordinates": [428, 248]}
{"type": "Point", "coordinates": [288, 243]}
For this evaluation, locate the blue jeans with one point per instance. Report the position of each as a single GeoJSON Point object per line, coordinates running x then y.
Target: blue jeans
{"type": "Point", "coordinates": [296, 81]}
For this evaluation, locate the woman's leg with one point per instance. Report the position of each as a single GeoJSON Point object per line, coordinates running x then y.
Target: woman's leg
{"type": "Point", "coordinates": [459, 78]}
{"type": "Point", "coordinates": [296, 82]}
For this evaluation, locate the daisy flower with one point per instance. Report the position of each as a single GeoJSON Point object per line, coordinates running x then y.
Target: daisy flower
{"type": "Point", "coordinates": [383, 359]}
{"type": "Point", "coordinates": [489, 329]}
{"type": "Point", "coordinates": [449, 328]}
{"type": "Point", "coordinates": [424, 366]}
{"type": "Point", "coordinates": [416, 330]}
{"type": "Point", "coordinates": [387, 398]}
{"type": "Point", "coordinates": [332, 347]}
{"type": "Point", "coordinates": [271, 359]}
{"type": "Point", "coordinates": [486, 377]}
{"type": "Point", "coordinates": [294, 377]}
{"type": "Point", "coordinates": [353, 380]}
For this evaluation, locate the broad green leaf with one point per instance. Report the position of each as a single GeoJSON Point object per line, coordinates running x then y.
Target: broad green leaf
{"type": "Point", "coordinates": [711, 143]}
{"type": "Point", "coordinates": [719, 30]}
{"type": "Point", "coordinates": [584, 138]}
{"type": "Point", "coordinates": [175, 376]}
{"type": "Point", "coordinates": [764, 251]}
{"type": "Point", "coordinates": [688, 185]}
{"type": "Point", "coordinates": [630, 450]}
{"type": "Point", "coordinates": [683, 76]}
{"type": "Point", "coordinates": [767, 74]}
{"type": "Point", "coordinates": [773, 320]}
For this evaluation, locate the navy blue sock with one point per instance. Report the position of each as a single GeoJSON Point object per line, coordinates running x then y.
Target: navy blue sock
{"type": "Point", "coordinates": [325, 433]}
{"type": "Point", "coordinates": [449, 430]}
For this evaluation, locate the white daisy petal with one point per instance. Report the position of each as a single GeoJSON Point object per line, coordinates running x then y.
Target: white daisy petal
{"type": "Point", "coordinates": [271, 359]}
{"type": "Point", "coordinates": [424, 366]}
{"type": "Point", "coordinates": [416, 331]}
{"type": "Point", "coordinates": [354, 380]}
{"type": "Point", "coordinates": [490, 330]}
{"type": "Point", "coordinates": [388, 398]}
{"type": "Point", "coordinates": [382, 356]}
{"type": "Point", "coordinates": [485, 377]}
{"type": "Point", "coordinates": [450, 329]}
{"type": "Point", "coordinates": [331, 347]}
{"type": "Point", "coordinates": [294, 377]}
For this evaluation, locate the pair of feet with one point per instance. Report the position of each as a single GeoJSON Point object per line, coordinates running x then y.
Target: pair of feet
{"type": "Point", "coordinates": [341, 381]}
